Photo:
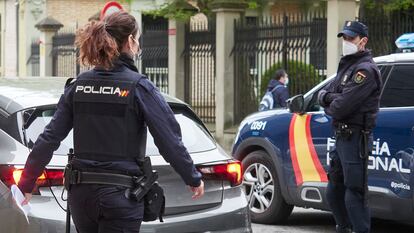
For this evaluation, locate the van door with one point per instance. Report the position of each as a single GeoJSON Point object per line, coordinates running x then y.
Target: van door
{"type": "Point", "coordinates": [391, 164]}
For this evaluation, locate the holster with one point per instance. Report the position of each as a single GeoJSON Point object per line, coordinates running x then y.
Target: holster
{"type": "Point", "coordinates": [148, 190]}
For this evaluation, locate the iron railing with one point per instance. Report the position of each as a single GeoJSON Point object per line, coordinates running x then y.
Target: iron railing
{"type": "Point", "coordinates": [34, 60]}
{"type": "Point", "coordinates": [65, 55]}
{"type": "Point", "coordinates": [153, 62]}
{"type": "Point", "coordinates": [200, 68]}
{"type": "Point", "coordinates": [385, 27]}
{"type": "Point", "coordinates": [294, 42]}
{"type": "Point", "coordinates": [154, 57]}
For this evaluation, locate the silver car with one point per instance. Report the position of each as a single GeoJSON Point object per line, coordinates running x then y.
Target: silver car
{"type": "Point", "coordinates": [28, 104]}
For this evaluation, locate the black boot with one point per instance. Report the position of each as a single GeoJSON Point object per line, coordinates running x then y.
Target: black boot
{"type": "Point", "coordinates": [340, 229]}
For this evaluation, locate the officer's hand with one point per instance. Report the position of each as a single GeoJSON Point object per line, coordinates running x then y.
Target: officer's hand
{"type": "Point", "coordinates": [198, 191]}
{"type": "Point", "coordinates": [330, 97]}
{"type": "Point", "coordinates": [321, 98]}
{"type": "Point", "coordinates": [27, 197]}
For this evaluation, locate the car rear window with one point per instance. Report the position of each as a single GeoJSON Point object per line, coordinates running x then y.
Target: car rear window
{"type": "Point", "coordinates": [194, 136]}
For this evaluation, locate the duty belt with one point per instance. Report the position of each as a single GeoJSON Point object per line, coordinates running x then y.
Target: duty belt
{"type": "Point", "coordinates": [345, 130]}
{"type": "Point", "coordinates": [80, 177]}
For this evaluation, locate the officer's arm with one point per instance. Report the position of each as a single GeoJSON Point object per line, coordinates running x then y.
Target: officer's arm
{"type": "Point", "coordinates": [48, 142]}
{"type": "Point", "coordinates": [166, 131]}
{"type": "Point", "coordinates": [353, 95]}
{"type": "Point", "coordinates": [327, 94]}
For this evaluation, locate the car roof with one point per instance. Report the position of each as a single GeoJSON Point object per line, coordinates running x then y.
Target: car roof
{"type": "Point", "coordinates": [395, 58]}
{"type": "Point", "coordinates": [17, 94]}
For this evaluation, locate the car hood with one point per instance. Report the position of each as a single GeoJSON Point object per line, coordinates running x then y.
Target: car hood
{"type": "Point", "coordinates": [262, 115]}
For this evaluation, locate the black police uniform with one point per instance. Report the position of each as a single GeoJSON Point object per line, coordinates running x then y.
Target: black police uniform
{"type": "Point", "coordinates": [352, 99]}
{"type": "Point", "coordinates": [110, 112]}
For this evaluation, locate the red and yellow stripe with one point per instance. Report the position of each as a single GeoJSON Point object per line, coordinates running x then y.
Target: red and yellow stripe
{"type": "Point", "coordinates": [305, 161]}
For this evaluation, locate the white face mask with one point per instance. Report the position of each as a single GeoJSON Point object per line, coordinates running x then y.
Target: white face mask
{"type": "Point", "coordinates": [134, 54]}
{"type": "Point", "coordinates": [349, 48]}
{"type": "Point", "coordinates": [286, 81]}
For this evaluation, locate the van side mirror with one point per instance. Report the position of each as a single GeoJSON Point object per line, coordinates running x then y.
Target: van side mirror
{"type": "Point", "coordinates": [296, 104]}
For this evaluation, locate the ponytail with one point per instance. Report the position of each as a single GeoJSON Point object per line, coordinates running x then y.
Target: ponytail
{"type": "Point", "coordinates": [96, 46]}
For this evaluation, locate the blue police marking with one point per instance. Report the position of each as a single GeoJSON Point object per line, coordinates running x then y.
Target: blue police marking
{"type": "Point", "coordinates": [380, 160]}
{"type": "Point", "coordinates": [395, 185]}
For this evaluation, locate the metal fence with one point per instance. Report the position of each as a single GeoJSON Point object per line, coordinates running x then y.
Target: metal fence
{"type": "Point", "coordinates": [65, 55]}
{"type": "Point", "coordinates": [154, 57]}
{"type": "Point", "coordinates": [34, 59]}
{"type": "Point", "coordinates": [200, 68]}
{"type": "Point", "coordinates": [153, 62]}
{"type": "Point", "coordinates": [294, 42]}
{"type": "Point", "coordinates": [385, 28]}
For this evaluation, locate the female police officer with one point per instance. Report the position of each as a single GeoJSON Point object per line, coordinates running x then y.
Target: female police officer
{"type": "Point", "coordinates": [109, 109]}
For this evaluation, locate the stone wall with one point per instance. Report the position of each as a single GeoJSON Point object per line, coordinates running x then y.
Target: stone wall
{"type": "Point", "coordinates": [75, 12]}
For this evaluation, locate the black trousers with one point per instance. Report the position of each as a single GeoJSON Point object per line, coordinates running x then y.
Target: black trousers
{"type": "Point", "coordinates": [347, 186]}
{"type": "Point", "coordinates": [104, 209]}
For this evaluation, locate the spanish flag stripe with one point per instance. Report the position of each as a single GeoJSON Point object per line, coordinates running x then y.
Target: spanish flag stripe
{"type": "Point", "coordinates": [293, 154]}
{"type": "Point", "coordinates": [304, 157]}
{"type": "Point", "coordinates": [315, 158]}
{"type": "Point", "coordinates": [305, 161]}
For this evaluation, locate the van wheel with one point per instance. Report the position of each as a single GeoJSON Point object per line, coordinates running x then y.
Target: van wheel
{"type": "Point", "coordinates": [262, 189]}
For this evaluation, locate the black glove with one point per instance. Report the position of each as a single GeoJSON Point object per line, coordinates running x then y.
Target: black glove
{"type": "Point", "coordinates": [321, 98]}
{"type": "Point", "coordinates": [325, 98]}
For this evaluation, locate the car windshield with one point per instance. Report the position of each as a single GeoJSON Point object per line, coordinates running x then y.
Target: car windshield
{"type": "Point", "coordinates": [194, 136]}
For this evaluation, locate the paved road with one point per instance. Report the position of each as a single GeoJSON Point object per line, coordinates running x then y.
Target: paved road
{"type": "Point", "coordinates": [315, 221]}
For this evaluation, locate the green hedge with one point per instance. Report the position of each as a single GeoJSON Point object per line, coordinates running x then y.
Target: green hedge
{"type": "Point", "coordinates": [302, 77]}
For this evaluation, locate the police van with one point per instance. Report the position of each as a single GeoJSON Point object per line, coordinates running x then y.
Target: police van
{"type": "Point", "coordinates": [285, 152]}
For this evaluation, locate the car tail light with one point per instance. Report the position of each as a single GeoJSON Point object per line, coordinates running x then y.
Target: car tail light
{"type": "Point", "coordinates": [230, 171]}
{"type": "Point", "coordinates": [50, 177]}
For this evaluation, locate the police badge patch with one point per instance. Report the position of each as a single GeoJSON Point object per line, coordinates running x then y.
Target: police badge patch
{"type": "Point", "coordinates": [359, 78]}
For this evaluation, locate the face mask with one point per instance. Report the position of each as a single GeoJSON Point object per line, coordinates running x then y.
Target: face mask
{"type": "Point", "coordinates": [134, 53]}
{"type": "Point", "coordinates": [286, 81]}
{"type": "Point", "coordinates": [349, 48]}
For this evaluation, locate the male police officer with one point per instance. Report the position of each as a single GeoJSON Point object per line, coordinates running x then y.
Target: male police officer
{"type": "Point", "coordinates": [352, 101]}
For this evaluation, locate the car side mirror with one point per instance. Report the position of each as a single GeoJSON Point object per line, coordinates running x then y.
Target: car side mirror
{"type": "Point", "coordinates": [296, 104]}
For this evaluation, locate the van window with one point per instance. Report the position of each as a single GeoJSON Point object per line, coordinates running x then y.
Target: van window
{"type": "Point", "coordinates": [399, 87]}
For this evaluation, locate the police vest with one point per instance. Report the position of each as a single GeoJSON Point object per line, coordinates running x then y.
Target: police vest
{"type": "Point", "coordinates": [106, 121]}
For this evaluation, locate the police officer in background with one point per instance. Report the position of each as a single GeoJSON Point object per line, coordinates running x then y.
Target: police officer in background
{"type": "Point", "coordinates": [352, 100]}
{"type": "Point", "coordinates": [109, 109]}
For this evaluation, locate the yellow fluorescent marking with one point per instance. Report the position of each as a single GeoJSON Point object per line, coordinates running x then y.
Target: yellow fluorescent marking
{"type": "Point", "coordinates": [304, 157]}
